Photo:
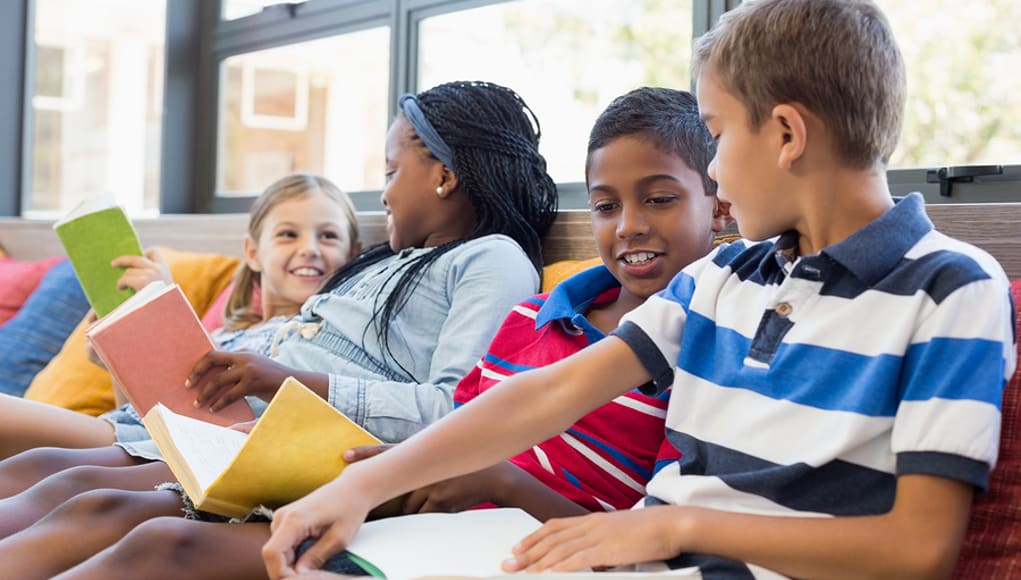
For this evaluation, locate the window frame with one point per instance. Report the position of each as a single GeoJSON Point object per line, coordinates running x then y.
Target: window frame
{"type": "Point", "coordinates": [198, 40]}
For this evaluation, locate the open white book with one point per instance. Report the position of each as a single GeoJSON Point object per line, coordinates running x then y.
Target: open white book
{"type": "Point", "coordinates": [296, 446]}
{"type": "Point", "coordinates": [465, 545]}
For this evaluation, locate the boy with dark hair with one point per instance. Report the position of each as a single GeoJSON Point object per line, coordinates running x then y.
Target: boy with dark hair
{"type": "Point", "coordinates": [836, 390]}
{"type": "Point", "coordinates": [653, 212]}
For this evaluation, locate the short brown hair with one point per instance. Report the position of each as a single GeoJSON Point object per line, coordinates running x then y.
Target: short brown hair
{"type": "Point", "coordinates": [838, 58]}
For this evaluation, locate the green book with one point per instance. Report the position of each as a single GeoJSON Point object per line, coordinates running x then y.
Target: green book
{"type": "Point", "coordinates": [92, 237]}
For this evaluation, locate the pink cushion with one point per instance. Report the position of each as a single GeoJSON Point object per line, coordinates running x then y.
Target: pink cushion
{"type": "Point", "coordinates": [17, 282]}
{"type": "Point", "coordinates": [992, 546]}
{"type": "Point", "coordinates": [213, 319]}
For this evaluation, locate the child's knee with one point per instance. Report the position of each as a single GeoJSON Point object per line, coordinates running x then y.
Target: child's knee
{"type": "Point", "coordinates": [37, 463]}
{"type": "Point", "coordinates": [164, 539]}
{"type": "Point", "coordinates": [72, 481]}
{"type": "Point", "coordinates": [93, 505]}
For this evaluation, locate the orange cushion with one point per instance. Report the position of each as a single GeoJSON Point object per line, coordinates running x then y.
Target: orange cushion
{"type": "Point", "coordinates": [992, 546]}
{"type": "Point", "coordinates": [72, 382]}
{"type": "Point", "coordinates": [557, 272]}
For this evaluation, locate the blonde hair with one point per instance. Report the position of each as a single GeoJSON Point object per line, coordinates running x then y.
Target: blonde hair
{"type": "Point", "coordinates": [838, 58]}
{"type": "Point", "coordinates": [239, 313]}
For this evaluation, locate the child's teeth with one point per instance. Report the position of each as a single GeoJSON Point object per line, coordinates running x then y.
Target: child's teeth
{"type": "Point", "coordinates": [639, 257]}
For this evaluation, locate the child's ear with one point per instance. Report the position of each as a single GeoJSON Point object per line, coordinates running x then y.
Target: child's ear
{"type": "Point", "coordinates": [448, 181]}
{"type": "Point", "coordinates": [356, 248]}
{"type": "Point", "coordinates": [252, 254]}
{"type": "Point", "coordinates": [793, 130]}
{"type": "Point", "coordinates": [721, 215]}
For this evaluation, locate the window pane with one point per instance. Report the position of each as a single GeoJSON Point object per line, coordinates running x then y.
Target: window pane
{"type": "Point", "coordinates": [567, 59]}
{"type": "Point", "coordinates": [963, 87]}
{"type": "Point", "coordinates": [97, 104]}
{"type": "Point", "coordinates": [233, 9]}
{"type": "Point", "coordinates": [319, 107]}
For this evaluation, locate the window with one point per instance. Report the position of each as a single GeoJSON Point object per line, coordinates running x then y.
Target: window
{"type": "Point", "coordinates": [567, 59]}
{"type": "Point", "coordinates": [234, 9]}
{"type": "Point", "coordinates": [318, 106]}
{"type": "Point", "coordinates": [963, 90]}
{"type": "Point", "coordinates": [96, 104]}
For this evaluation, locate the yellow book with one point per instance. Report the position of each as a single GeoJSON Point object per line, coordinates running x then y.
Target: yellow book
{"type": "Point", "coordinates": [295, 447]}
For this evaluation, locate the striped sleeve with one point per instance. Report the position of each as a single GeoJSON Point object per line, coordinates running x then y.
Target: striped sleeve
{"type": "Point", "coordinates": [653, 330]}
{"type": "Point", "coordinates": [954, 373]}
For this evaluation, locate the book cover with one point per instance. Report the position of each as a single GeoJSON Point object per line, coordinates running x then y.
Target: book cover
{"type": "Point", "coordinates": [295, 447]}
{"type": "Point", "coordinates": [150, 344]}
{"type": "Point", "coordinates": [92, 238]}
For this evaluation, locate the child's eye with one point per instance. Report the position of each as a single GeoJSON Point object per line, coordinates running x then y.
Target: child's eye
{"type": "Point", "coordinates": [329, 235]}
{"type": "Point", "coordinates": [661, 199]}
{"type": "Point", "coordinates": [287, 234]}
{"type": "Point", "coordinates": [604, 206]}
{"type": "Point", "coordinates": [388, 175]}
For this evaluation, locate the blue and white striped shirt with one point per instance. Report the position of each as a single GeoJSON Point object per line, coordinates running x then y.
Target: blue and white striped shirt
{"type": "Point", "coordinates": [806, 389]}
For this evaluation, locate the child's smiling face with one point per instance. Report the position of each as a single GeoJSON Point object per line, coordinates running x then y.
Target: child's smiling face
{"type": "Point", "coordinates": [650, 214]}
{"type": "Point", "coordinates": [301, 243]}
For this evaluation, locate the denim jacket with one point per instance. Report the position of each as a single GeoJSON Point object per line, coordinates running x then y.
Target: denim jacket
{"type": "Point", "coordinates": [434, 340]}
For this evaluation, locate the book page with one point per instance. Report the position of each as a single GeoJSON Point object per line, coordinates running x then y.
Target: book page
{"type": "Point", "coordinates": [206, 448]}
{"type": "Point", "coordinates": [470, 543]}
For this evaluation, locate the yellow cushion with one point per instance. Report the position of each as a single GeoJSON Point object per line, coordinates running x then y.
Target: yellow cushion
{"type": "Point", "coordinates": [72, 382]}
{"type": "Point", "coordinates": [557, 272]}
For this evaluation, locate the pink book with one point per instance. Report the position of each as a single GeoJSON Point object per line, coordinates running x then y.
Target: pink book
{"type": "Point", "coordinates": [150, 344]}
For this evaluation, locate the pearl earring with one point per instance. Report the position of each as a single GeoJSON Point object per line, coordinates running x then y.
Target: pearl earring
{"type": "Point", "coordinates": [439, 191]}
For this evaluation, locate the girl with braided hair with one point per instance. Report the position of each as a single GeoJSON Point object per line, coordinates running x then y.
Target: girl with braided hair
{"type": "Point", "coordinates": [468, 201]}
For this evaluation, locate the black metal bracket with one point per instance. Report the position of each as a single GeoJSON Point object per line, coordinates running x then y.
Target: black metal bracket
{"type": "Point", "coordinates": [946, 177]}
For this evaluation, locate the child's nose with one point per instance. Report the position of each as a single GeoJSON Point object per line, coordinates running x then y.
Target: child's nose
{"type": "Point", "coordinates": [632, 223]}
{"type": "Point", "coordinates": [310, 246]}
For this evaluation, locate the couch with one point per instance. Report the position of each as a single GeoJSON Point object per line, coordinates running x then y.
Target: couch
{"type": "Point", "coordinates": [205, 249]}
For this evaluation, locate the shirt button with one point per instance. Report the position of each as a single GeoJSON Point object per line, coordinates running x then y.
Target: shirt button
{"type": "Point", "coordinates": [784, 309]}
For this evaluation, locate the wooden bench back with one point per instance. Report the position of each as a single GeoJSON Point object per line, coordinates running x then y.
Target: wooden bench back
{"type": "Point", "coordinates": [995, 227]}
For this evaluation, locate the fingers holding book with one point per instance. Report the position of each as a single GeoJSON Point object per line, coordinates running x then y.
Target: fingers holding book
{"type": "Point", "coordinates": [318, 515]}
{"type": "Point", "coordinates": [220, 378]}
{"type": "Point", "coordinates": [140, 271]}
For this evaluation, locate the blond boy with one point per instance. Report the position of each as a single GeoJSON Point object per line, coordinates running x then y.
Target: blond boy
{"type": "Point", "coordinates": [836, 388]}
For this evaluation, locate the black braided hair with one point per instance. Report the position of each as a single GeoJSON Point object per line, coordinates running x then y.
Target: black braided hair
{"type": "Point", "coordinates": [667, 118]}
{"type": "Point", "coordinates": [493, 136]}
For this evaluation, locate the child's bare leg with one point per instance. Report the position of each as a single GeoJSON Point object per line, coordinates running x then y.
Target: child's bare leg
{"type": "Point", "coordinates": [175, 548]}
{"type": "Point", "coordinates": [26, 424]}
{"type": "Point", "coordinates": [26, 469]}
{"type": "Point", "coordinates": [24, 509]}
{"type": "Point", "coordinates": [81, 527]}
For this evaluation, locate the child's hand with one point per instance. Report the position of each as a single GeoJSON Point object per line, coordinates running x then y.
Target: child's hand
{"type": "Point", "coordinates": [90, 353]}
{"type": "Point", "coordinates": [224, 377]}
{"type": "Point", "coordinates": [142, 270]}
{"type": "Point", "coordinates": [459, 493]}
{"type": "Point", "coordinates": [332, 514]}
{"type": "Point", "coordinates": [601, 539]}
{"type": "Point", "coordinates": [365, 451]}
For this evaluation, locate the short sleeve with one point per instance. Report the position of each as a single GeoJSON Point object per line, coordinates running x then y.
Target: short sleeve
{"type": "Point", "coordinates": [961, 357]}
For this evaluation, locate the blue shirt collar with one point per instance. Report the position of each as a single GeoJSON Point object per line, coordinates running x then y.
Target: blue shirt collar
{"type": "Point", "coordinates": [574, 295]}
{"type": "Point", "coordinates": [874, 250]}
